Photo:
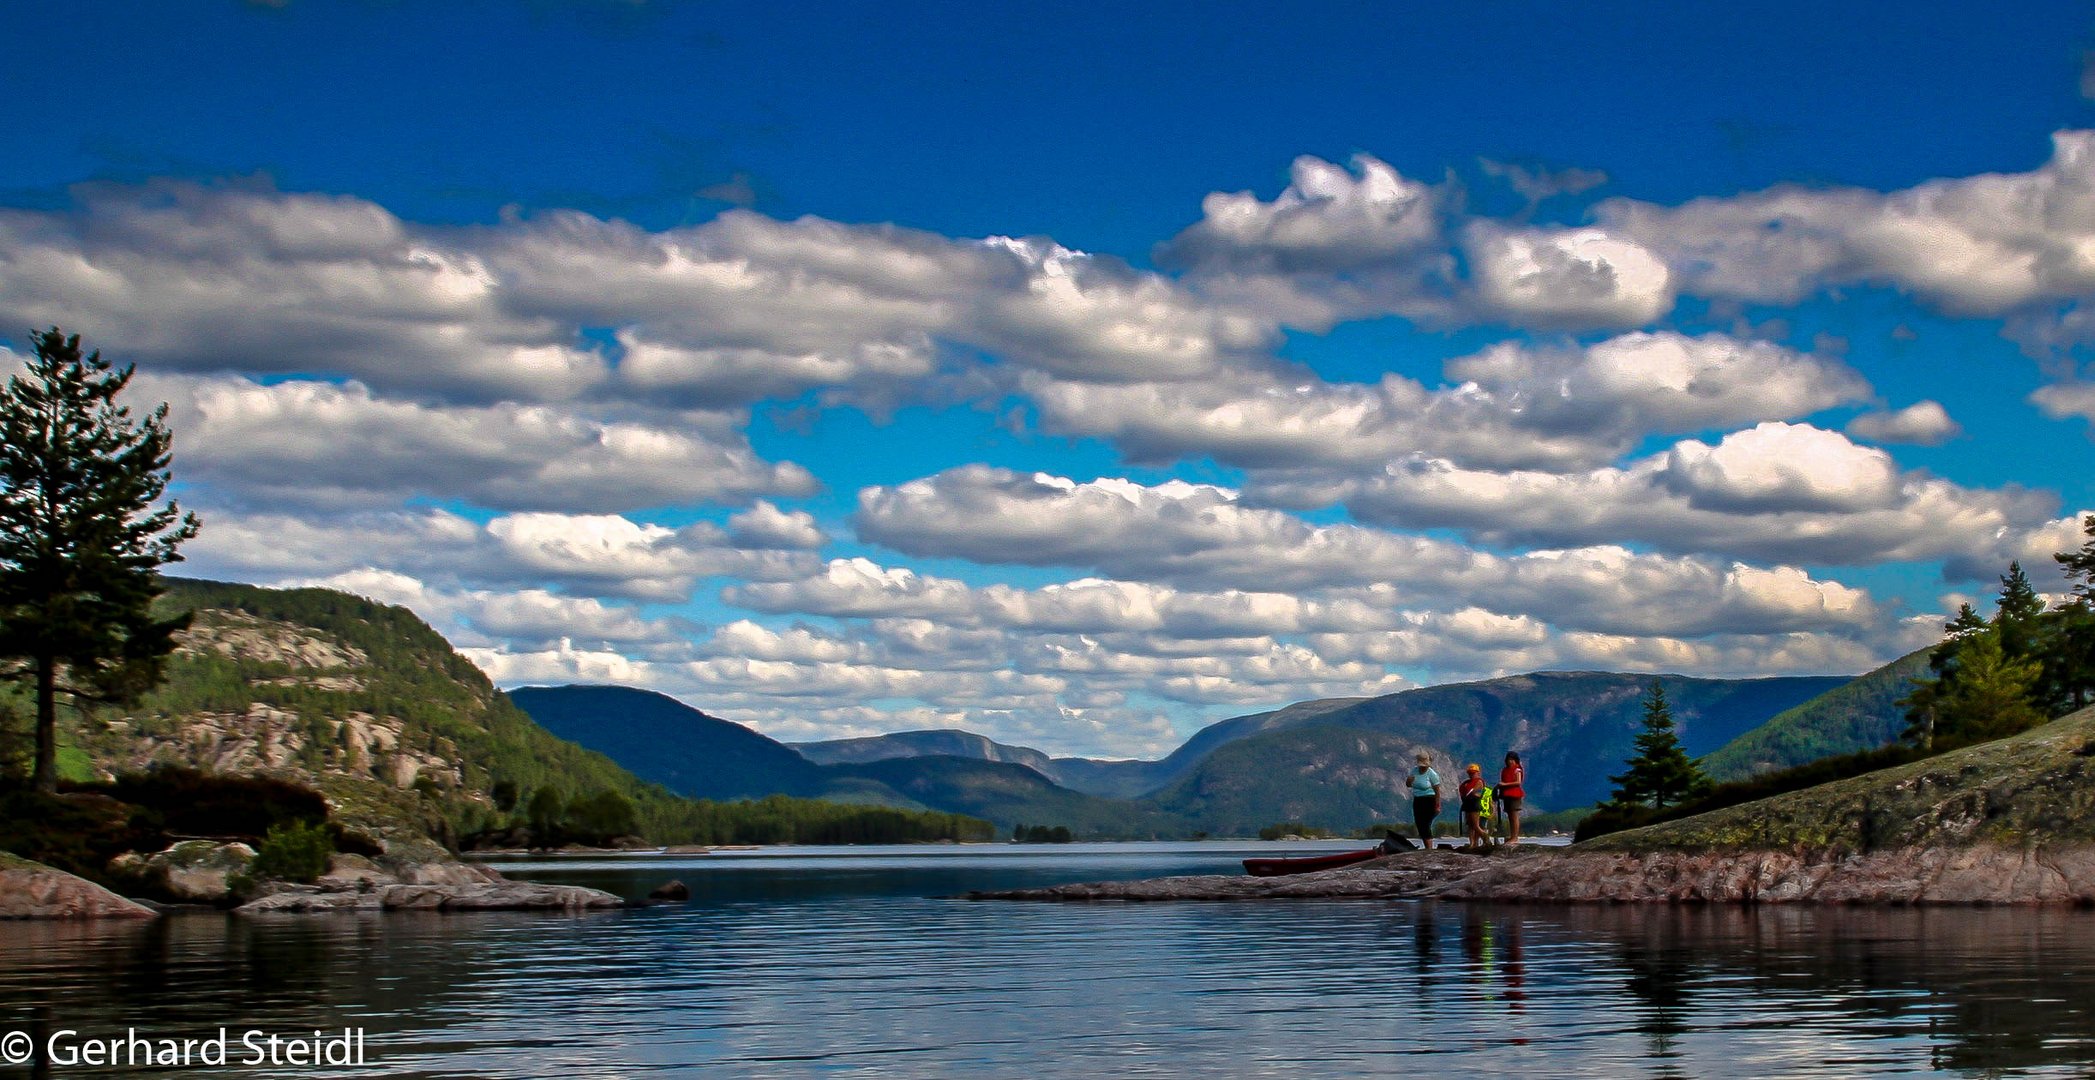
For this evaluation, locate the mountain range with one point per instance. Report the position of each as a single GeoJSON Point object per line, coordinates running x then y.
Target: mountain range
{"type": "Point", "coordinates": [367, 703]}
{"type": "Point", "coordinates": [1335, 763]}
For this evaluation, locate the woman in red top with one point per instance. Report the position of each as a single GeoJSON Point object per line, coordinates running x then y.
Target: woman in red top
{"type": "Point", "coordinates": [1510, 792]}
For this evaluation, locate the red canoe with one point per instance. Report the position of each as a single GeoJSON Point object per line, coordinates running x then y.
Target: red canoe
{"type": "Point", "coordinates": [1307, 863]}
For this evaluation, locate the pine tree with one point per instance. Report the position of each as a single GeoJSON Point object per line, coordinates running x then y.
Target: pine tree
{"type": "Point", "coordinates": [2073, 642]}
{"type": "Point", "coordinates": [2022, 639]}
{"type": "Point", "coordinates": [82, 537]}
{"type": "Point", "coordinates": [2017, 612]}
{"type": "Point", "coordinates": [2079, 566]}
{"type": "Point", "coordinates": [1990, 698]}
{"type": "Point", "coordinates": [1661, 774]}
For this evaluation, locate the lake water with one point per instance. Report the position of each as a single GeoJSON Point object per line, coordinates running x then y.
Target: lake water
{"type": "Point", "coordinates": [843, 962]}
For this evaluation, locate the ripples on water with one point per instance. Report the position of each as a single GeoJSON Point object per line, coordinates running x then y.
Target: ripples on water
{"type": "Point", "coordinates": [844, 964]}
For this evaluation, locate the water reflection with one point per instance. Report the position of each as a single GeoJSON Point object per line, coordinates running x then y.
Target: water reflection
{"type": "Point", "coordinates": [790, 968]}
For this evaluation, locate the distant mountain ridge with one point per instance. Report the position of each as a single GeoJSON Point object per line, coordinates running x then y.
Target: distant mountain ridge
{"type": "Point", "coordinates": [671, 743]}
{"type": "Point", "coordinates": [942, 742]}
{"type": "Point", "coordinates": [1572, 729]}
{"type": "Point", "coordinates": [1543, 712]}
{"type": "Point", "coordinates": [1107, 779]}
{"type": "Point", "coordinates": [1335, 763]}
{"type": "Point", "coordinates": [701, 756]}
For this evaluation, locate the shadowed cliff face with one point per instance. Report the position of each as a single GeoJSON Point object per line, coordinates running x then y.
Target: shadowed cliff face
{"type": "Point", "coordinates": [2032, 790]}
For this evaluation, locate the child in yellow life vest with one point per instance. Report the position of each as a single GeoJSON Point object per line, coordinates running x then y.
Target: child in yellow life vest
{"type": "Point", "coordinates": [1476, 798]}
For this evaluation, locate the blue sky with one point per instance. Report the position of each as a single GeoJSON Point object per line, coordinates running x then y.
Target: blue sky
{"type": "Point", "coordinates": [1082, 375]}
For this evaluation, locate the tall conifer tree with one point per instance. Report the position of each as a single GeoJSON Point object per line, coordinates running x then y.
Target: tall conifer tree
{"type": "Point", "coordinates": [83, 535]}
{"type": "Point", "coordinates": [1661, 774]}
{"type": "Point", "coordinates": [2075, 639]}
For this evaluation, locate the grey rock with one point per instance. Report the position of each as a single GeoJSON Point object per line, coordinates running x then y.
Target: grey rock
{"type": "Point", "coordinates": [190, 872]}
{"type": "Point", "coordinates": [484, 890]}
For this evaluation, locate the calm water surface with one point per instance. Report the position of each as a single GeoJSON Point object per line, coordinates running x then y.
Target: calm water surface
{"type": "Point", "coordinates": [844, 962]}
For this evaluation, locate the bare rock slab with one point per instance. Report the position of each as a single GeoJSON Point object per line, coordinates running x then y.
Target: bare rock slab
{"type": "Point", "coordinates": [31, 890]}
{"type": "Point", "coordinates": [360, 885]}
{"type": "Point", "coordinates": [1981, 875]}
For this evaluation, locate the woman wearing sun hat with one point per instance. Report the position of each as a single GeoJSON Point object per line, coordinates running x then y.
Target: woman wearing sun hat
{"type": "Point", "coordinates": [1425, 798]}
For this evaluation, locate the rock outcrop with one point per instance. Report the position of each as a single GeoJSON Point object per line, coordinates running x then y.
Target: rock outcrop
{"type": "Point", "coordinates": [1977, 875]}
{"type": "Point", "coordinates": [486, 896]}
{"type": "Point", "coordinates": [190, 872]}
{"type": "Point", "coordinates": [31, 890]}
{"type": "Point", "coordinates": [354, 883]}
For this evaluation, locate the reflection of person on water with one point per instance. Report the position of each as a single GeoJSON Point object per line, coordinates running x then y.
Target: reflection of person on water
{"type": "Point", "coordinates": [1425, 798]}
{"type": "Point", "coordinates": [1473, 794]}
{"type": "Point", "coordinates": [1515, 971]}
{"type": "Point", "coordinates": [1489, 945]}
{"type": "Point", "coordinates": [1512, 789]}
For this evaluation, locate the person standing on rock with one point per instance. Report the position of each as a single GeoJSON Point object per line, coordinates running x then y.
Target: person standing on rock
{"type": "Point", "coordinates": [1425, 798]}
{"type": "Point", "coordinates": [1473, 792]}
{"type": "Point", "coordinates": [1512, 789]}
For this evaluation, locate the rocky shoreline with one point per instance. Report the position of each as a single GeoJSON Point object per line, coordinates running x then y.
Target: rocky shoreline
{"type": "Point", "coordinates": [1390, 877]}
{"type": "Point", "coordinates": [1976, 876]}
{"type": "Point", "coordinates": [30, 890]}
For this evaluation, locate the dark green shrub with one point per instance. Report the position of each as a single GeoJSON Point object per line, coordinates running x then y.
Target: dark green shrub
{"type": "Point", "coordinates": [293, 851]}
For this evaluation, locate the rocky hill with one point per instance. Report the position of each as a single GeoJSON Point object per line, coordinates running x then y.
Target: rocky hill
{"type": "Point", "coordinates": [360, 700]}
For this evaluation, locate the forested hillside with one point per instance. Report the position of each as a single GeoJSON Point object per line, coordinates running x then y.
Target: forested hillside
{"type": "Point", "coordinates": [1862, 715]}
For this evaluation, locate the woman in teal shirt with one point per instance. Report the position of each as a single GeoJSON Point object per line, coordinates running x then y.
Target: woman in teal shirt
{"type": "Point", "coordinates": [1425, 798]}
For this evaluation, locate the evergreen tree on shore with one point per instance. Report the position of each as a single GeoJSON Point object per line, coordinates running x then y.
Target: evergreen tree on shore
{"type": "Point", "coordinates": [1993, 678]}
{"type": "Point", "coordinates": [2074, 639]}
{"type": "Point", "coordinates": [1661, 774]}
{"type": "Point", "coordinates": [83, 535]}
